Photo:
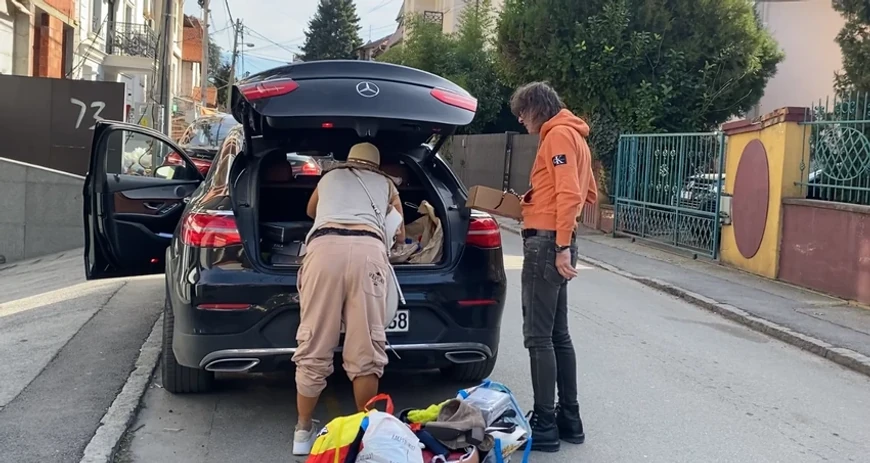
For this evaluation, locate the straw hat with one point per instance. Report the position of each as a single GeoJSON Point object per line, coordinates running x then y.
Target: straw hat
{"type": "Point", "coordinates": [366, 154]}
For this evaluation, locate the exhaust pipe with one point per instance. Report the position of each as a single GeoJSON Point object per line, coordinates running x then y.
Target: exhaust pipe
{"type": "Point", "coordinates": [232, 365]}
{"type": "Point", "coordinates": [465, 356]}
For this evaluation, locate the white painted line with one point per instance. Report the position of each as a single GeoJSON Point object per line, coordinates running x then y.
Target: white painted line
{"type": "Point", "coordinates": [101, 448]}
{"type": "Point", "coordinates": [59, 295]}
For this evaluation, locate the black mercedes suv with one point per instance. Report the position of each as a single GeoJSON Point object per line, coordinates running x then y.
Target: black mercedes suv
{"type": "Point", "coordinates": [231, 298]}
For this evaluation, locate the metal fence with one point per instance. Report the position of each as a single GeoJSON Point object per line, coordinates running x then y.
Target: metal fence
{"type": "Point", "coordinates": [128, 39]}
{"type": "Point", "coordinates": [835, 165]}
{"type": "Point", "coordinates": [668, 189]}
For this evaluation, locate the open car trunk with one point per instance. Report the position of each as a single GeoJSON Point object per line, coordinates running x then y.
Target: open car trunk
{"type": "Point", "coordinates": [282, 201]}
{"type": "Point", "coordinates": [327, 107]}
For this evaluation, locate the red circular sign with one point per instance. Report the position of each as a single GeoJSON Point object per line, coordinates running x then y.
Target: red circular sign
{"type": "Point", "coordinates": [751, 195]}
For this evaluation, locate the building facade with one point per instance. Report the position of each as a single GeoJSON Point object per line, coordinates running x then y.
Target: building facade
{"type": "Point", "coordinates": [37, 37]}
{"type": "Point", "coordinates": [806, 31]}
{"type": "Point", "coordinates": [117, 42]}
{"type": "Point", "coordinates": [446, 12]}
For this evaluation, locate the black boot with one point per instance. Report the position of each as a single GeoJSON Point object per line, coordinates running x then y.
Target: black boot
{"type": "Point", "coordinates": [545, 433]}
{"type": "Point", "coordinates": [569, 423]}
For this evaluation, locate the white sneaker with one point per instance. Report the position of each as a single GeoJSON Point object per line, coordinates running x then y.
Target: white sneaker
{"type": "Point", "coordinates": [303, 439]}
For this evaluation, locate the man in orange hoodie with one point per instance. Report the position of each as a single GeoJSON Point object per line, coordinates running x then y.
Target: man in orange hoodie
{"type": "Point", "coordinates": [561, 183]}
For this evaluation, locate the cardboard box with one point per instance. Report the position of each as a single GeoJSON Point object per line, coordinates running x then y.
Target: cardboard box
{"type": "Point", "coordinates": [495, 202]}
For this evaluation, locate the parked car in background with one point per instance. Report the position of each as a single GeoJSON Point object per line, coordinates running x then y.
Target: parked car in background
{"type": "Point", "coordinates": [201, 141]}
{"type": "Point", "coordinates": [314, 164]}
{"type": "Point", "coordinates": [231, 306]}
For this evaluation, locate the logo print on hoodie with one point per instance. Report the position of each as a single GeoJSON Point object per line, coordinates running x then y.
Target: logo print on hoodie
{"type": "Point", "coordinates": [560, 160]}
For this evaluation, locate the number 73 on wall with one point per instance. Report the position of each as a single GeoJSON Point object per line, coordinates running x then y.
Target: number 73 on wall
{"type": "Point", "coordinates": [98, 105]}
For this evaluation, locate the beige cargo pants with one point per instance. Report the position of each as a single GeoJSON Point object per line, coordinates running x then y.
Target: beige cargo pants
{"type": "Point", "coordinates": [342, 277]}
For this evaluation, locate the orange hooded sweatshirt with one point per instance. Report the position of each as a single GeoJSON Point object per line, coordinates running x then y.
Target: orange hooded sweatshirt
{"type": "Point", "coordinates": [562, 179]}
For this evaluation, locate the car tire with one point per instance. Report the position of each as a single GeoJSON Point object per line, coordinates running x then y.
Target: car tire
{"type": "Point", "coordinates": [179, 379]}
{"type": "Point", "coordinates": [471, 372]}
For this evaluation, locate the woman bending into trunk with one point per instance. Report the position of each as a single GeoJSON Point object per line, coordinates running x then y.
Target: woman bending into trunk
{"type": "Point", "coordinates": [345, 276]}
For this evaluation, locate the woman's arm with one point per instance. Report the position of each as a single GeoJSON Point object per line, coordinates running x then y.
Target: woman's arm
{"type": "Point", "coordinates": [312, 204]}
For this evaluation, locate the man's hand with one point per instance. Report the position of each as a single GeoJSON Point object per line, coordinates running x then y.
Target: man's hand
{"type": "Point", "coordinates": [563, 264]}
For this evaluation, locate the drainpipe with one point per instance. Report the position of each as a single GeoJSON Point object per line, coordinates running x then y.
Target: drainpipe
{"type": "Point", "coordinates": [165, 84]}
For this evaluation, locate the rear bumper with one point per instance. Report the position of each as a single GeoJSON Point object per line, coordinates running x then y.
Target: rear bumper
{"type": "Point", "coordinates": [271, 344]}
{"type": "Point", "coordinates": [245, 360]}
{"type": "Point", "coordinates": [441, 331]}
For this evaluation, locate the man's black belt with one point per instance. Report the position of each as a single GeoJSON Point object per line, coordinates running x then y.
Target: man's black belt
{"type": "Point", "coordinates": [342, 232]}
{"type": "Point", "coordinates": [530, 232]}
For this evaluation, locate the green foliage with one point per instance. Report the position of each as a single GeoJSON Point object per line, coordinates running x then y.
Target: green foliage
{"type": "Point", "coordinates": [640, 65]}
{"type": "Point", "coordinates": [333, 32]}
{"type": "Point", "coordinates": [221, 80]}
{"type": "Point", "coordinates": [215, 58]}
{"type": "Point", "coordinates": [854, 41]}
{"type": "Point", "coordinates": [465, 57]}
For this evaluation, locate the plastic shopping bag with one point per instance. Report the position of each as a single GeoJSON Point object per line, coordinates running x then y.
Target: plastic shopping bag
{"type": "Point", "coordinates": [388, 440]}
{"type": "Point", "coordinates": [506, 443]}
{"type": "Point", "coordinates": [339, 441]}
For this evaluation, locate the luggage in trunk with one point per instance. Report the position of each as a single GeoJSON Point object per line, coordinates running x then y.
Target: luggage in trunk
{"type": "Point", "coordinates": [285, 232]}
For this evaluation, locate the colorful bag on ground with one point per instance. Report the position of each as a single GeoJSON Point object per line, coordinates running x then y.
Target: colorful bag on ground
{"type": "Point", "coordinates": [506, 443]}
{"type": "Point", "coordinates": [387, 439]}
{"type": "Point", "coordinates": [340, 440]}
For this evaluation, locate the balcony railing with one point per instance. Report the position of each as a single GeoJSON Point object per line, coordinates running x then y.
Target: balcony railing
{"type": "Point", "coordinates": [129, 39]}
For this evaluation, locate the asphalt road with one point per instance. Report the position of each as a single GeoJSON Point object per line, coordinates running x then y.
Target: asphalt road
{"type": "Point", "coordinates": [67, 347]}
{"type": "Point", "coordinates": [660, 381]}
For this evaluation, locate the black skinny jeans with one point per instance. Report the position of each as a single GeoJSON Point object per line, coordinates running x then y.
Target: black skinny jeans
{"type": "Point", "coordinates": [545, 324]}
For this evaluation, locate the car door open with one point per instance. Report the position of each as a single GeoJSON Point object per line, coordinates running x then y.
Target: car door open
{"type": "Point", "coordinates": [132, 201]}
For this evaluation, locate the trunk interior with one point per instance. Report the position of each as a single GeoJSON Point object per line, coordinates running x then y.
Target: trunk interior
{"type": "Point", "coordinates": [283, 199]}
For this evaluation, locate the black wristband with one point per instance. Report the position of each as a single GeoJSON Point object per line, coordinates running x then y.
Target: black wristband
{"type": "Point", "coordinates": [561, 248]}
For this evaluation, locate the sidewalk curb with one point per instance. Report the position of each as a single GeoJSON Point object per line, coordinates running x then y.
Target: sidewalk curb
{"type": "Point", "coordinates": [846, 357]}
{"type": "Point", "coordinates": [113, 425]}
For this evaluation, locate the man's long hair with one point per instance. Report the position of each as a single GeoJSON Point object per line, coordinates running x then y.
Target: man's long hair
{"type": "Point", "coordinates": [536, 102]}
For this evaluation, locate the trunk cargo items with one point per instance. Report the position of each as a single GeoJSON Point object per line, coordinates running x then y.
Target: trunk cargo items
{"type": "Point", "coordinates": [424, 239]}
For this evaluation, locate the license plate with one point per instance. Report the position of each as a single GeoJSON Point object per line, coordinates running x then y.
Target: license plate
{"type": "Point", "coordinates": [400, 324]}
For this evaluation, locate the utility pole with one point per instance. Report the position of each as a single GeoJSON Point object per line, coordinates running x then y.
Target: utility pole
{"type": "Point", "coordinates": [166, 66]}
{"type": "Point", "coordinates": [232, 76]}
{"type": "Point", "coordinates": [203, 68]}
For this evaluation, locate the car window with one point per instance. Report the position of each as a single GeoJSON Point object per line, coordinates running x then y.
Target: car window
{"type": "Point", "coordinates": [210, 133]}
{"type": "Point", "coordinates": [134, 153]}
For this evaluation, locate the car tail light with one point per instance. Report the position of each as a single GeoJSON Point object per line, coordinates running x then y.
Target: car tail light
{"type": "Point", "coordinates": [310, 168]}
{"type": "Point", "coordinates": [483, 232]}
{"type": "Point", "coordinates": [267, 89]}
{"type": "Point", "coordinates": [174, 159]}
{"type": "Point", "coordinates": [454, 99]}
{"type": "Point", "coordinates": [210, 229]}
{"type": "Point", "coordinates": [223, 307]}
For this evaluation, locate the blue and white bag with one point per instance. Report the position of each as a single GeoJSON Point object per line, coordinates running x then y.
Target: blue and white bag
{"type": "Point", "coordinates": [494, 399]}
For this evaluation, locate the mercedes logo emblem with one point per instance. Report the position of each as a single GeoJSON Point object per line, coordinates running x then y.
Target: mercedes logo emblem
{"type": "Point", "coordinates": [367, 89]}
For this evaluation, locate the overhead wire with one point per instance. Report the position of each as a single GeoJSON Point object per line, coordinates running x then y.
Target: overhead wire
{"type": "Point", "coordinates": [90, 48]}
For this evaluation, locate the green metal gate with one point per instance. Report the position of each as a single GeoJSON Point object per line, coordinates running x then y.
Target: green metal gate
{"type": "Point", "coordinates": [668, 189]}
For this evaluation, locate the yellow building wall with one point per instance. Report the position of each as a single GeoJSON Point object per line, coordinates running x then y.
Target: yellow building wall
{"type": "Point", "coordinates": [784, 143]}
